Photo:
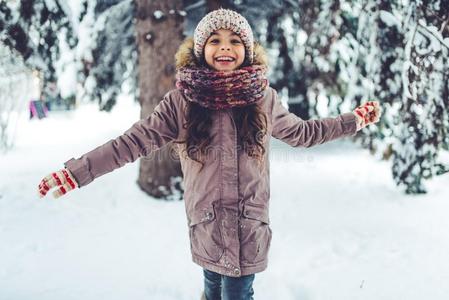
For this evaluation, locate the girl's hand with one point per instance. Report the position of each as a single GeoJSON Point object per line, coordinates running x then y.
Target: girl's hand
{"type": "Point", "coordinates": [367, 113]}
{"type": "Point", "coordinates": [63, 178]}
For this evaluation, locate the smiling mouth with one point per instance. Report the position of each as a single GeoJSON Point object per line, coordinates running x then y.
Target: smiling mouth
{"type": "Point", "coordinates": [224, 59]}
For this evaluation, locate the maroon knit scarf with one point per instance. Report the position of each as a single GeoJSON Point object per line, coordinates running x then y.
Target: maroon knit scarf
{"type": "Point", "coordinates": [220, 90]}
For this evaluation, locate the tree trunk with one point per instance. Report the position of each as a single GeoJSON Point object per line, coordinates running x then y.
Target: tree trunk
{"type": "Point", "coordinates": [159, 26]}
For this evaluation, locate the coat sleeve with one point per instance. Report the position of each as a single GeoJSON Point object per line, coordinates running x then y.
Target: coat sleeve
{"type": "Point", "coordinates": [297, 132]}
{"type": "Point", "coordinates": [143, 137]}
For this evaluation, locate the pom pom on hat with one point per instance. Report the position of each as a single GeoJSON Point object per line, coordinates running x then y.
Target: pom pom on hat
{"type": "Point", "coordinates": [223, 19]}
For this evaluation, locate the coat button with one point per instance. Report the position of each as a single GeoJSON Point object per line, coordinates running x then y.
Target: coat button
{"type": "Point", "coordinates": [237, 271]}
{"type": "Point", "coordinates": [208, 215]}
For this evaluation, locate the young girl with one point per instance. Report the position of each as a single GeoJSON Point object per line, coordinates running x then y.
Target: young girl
{"type": "Point", "coordinates": [220, 117]}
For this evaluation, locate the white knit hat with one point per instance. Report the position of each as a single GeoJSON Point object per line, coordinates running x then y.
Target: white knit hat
{"type": "Point", "coordinates": [223, 19]}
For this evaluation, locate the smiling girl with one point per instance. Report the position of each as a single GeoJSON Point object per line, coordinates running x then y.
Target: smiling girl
{"type": "Point", "coordinates": [220, 117]}
{"type": "Point", "coordinates": [224, 50]}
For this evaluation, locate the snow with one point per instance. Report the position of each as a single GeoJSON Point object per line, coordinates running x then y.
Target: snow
{"type": "Point", "coordinates": [322, 104]}
{"type": "Point", "coordinates": [389, 19]}
{"type": "Point", "coordinates": [158, 14]}
{"type": "Point", "coordinates": [446, 41]}
{"type": "Point", "coordinates": [341, 229]}
{"type": "Point", "coordinates": [301, 38]}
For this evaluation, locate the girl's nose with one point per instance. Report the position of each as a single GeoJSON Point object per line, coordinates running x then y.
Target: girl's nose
{"type": "Point", "coordinates": [225, 48]}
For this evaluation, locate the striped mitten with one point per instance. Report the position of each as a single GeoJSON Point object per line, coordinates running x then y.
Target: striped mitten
{"type": "Point", "coordinates": [367, 113]}
{"type": "Point", "coordinates": [62, 179]}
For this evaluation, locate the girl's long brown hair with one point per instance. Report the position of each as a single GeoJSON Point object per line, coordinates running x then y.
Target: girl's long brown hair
{"type": "Point", "coordinates": [251, 123]}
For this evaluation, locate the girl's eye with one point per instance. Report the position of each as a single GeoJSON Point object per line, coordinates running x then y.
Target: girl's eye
{"type": "Point", "coordinates": [216, 41]}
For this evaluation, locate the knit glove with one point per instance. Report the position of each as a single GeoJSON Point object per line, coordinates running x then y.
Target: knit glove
{"type": "Point", "coordinates": [62, 179]}
{"type": "Point", "coordinates": [367, 113]}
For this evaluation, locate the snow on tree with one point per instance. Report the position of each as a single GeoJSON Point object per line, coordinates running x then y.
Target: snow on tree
{"type": "Point", "coordinates": [34, 29]}
{"type": "Point", "coordinates": [422, 128]}
{"type": "Point", "coordinates": [401, 62]}
{"type": "Point", "coordinates": [112, 64]}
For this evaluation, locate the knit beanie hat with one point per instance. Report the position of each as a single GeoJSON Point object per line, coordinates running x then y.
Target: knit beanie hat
{"type": "Point", "coordinates": [223, 19]}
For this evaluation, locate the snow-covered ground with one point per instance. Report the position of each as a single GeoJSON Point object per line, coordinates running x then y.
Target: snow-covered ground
{"type": "Point", "coordinates": [341, 230]}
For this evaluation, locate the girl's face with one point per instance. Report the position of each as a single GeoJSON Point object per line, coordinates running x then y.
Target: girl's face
{"type": "Point", "coordinates": [224, 50]}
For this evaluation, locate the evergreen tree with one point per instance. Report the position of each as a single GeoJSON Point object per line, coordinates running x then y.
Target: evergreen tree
{"type": "Point", "coordinates": [423, 121]}
{"type": "Point", "coordinates": [326, 57]}
{"type": "Point", "coordinates": [114, 52]}
{"type": "Point", "coordinates": [34, 29]}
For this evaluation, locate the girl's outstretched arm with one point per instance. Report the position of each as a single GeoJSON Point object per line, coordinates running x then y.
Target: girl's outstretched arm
{"type": "Point", "coordinates": [143, 137]}
{"type": "Point", "coordinates": [297, 132]}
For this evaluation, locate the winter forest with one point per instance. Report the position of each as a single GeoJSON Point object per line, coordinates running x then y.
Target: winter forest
{"type": "Point", "coordinates": [75, 73]}
{"type": "Point", "coordinates": [326, 56]}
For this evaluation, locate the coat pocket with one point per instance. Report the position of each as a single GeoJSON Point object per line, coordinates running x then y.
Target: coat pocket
{"type": "Point", "coordinates": [255, 234]}
{"type": "Point", "coordinates": [205, 236]}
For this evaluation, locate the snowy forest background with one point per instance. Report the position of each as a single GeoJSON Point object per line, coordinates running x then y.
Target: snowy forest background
{"type": "Point", "coordinates": [358, 218]}
{"type": "Point", "coordinates": [326, 57]}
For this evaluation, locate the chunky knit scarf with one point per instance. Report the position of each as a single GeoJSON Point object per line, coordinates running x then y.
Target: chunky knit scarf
{"type": "Point", "coordinates": [221, 90]}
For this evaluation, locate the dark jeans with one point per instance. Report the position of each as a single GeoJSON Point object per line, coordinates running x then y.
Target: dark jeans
{"type": "Point", "coordinates": [221, 287]}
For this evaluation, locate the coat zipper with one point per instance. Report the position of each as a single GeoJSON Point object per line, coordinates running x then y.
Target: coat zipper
{"type": "Point", "coordinates": [237, 159]}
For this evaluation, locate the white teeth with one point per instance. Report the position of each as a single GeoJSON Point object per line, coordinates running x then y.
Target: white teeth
{"type": "Point", "coordinates": [225, 58]}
